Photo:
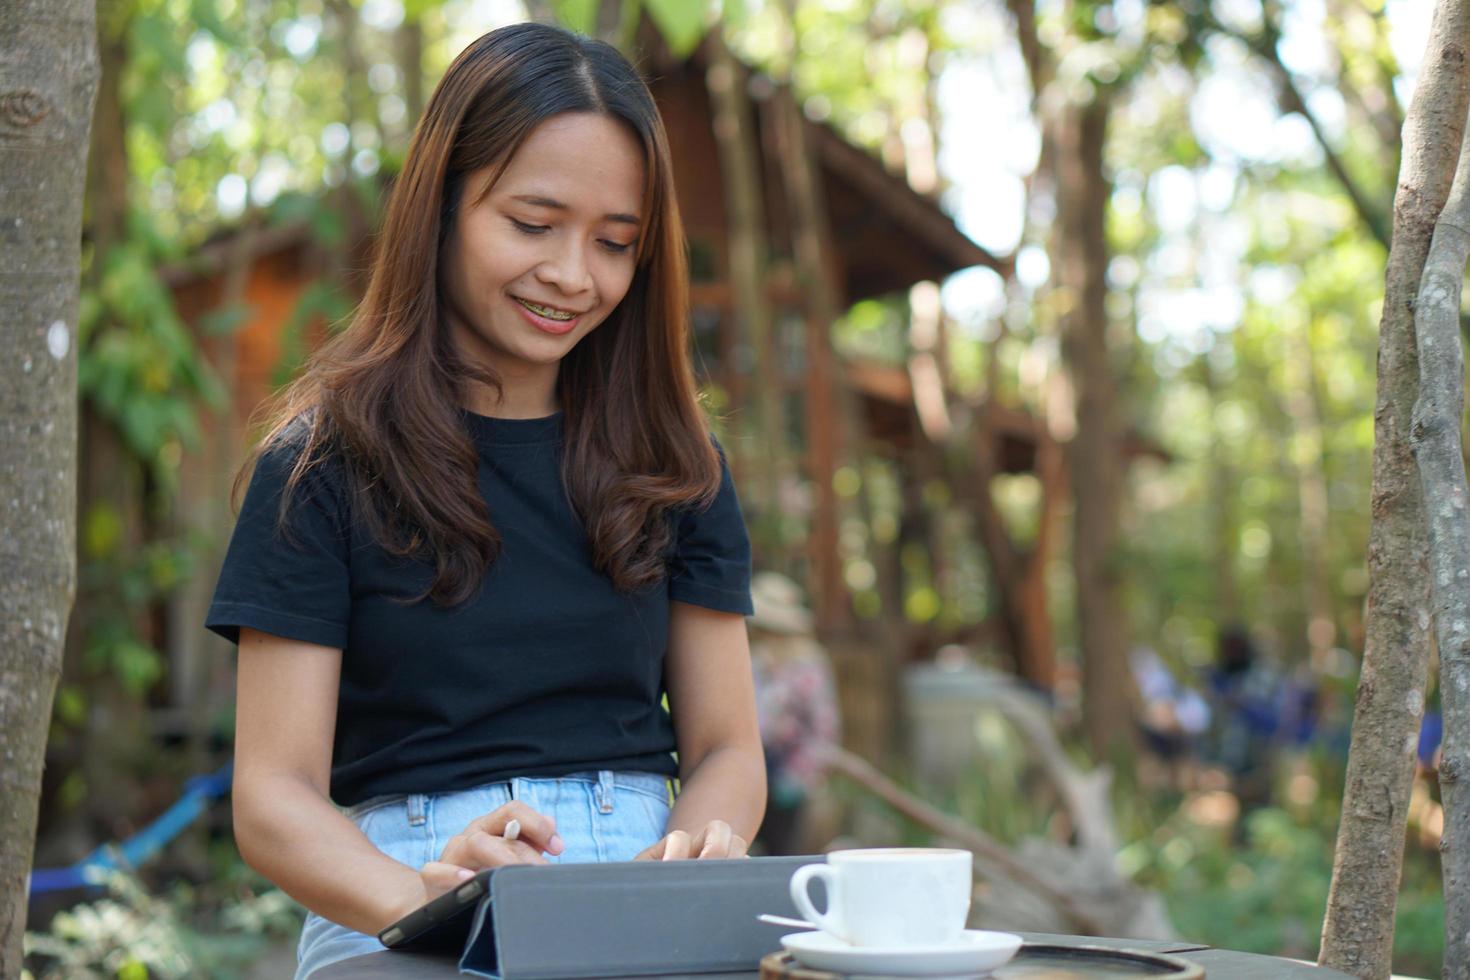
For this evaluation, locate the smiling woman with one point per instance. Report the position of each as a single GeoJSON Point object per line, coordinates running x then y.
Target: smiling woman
{"type": "Point", "coordinates": [544, 254]}
{"type": "Point", "coordinates": [489, 531]}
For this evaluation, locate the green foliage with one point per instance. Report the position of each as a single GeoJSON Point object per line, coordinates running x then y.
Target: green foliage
{"type": "Point", "coordinates": [682, 22]}
{"type": "Point", "coordinates": [1269, 893]}
{"type": "Point", "coordinates": [133, 935]}
{"type": "Point", "coordinates": [579, 15]}
{"type": "Point", "coordinates": [139, 366]}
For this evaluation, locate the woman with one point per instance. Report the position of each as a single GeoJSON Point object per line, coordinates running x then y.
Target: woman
{"type": "Point", "coordinates": [489, 531]}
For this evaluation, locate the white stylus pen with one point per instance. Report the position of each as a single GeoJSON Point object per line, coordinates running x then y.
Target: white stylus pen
{"type": "Point", "coordinates": [512, 830]}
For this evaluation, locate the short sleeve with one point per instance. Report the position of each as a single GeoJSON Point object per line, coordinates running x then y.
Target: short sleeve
{"type": "Point", "coordinates": [710, 566]}
{"type": "Point", "coordinates": [289, 581]}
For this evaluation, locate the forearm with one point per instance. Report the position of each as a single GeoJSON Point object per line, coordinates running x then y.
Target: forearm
{"type": "Point", "coordinates": [298, 840]}
{"type": "Point", "coordinates": [728, 784]}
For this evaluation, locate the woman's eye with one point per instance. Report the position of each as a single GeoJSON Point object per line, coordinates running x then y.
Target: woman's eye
{"type": "Point", "coordinates": [616, 246]}
{"type": "Point", "coordinates": [529, 229]}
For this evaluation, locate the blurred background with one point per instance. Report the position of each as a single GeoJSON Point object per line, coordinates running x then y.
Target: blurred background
{"type": "Point", "coordinates": [1040, 334]}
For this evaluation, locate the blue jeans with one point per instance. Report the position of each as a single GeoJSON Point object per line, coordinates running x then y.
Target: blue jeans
{"type": "Point", "coordinates": [601, 816]}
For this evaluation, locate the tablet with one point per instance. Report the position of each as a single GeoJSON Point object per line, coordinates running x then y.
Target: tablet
{"type": "Point", "coordinates": [443, 924]}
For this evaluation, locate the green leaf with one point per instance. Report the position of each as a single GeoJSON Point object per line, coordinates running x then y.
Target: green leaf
{"type": "Point", "coordinates": [328, 228]}
{"type": "Point", "coordinates": [137, 665]}
{"type": "Point", "coordinates": [102, 530]}
{"type": "Point", "coordinates": [154, 37]}
{"type": "Point", "coordinates": [733, 13]}
{"type": "Point", "coordinates": [579, 15]}
{"type": "Point", "coordinates": [293, 206]}
{"type": "Point", "coordinates": [205, 13]}
{"type": "Point", "coordinates": [682, 22]}
{"type": "Point", "coordinates": [226, 320]}
{"type": "Point", "coordinates": [71, 705]}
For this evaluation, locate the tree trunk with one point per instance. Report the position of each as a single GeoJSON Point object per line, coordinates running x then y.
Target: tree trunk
{"type": "Point", "coordinates": [1079, 256]}
{"type": "Point", "coordinates": [1357, 935]}
{"type": "Point", "coordinates": [47, 86]}
{"type": "Point", "coordinates": [1439, 455]}
{"type": "Point", "coordinates": [1017, 574]}
{"type": "Point", "coordinates": [1311, 479]}
{"type": "Point", "coordinates": [735, 139]}
{"type": "Point", "coordinates": [825, 411]}
{"type": "Point", "coordinates": [1097, 465]}
{"type": "Point", "coordinates": [409, 52]}
{"type": "Point", "coordinates": [1222, 494]}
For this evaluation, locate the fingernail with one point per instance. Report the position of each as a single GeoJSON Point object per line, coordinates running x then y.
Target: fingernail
{"type": "Point", "coordinates": [556, 845]}
{"type": "Point", "coordinates": [464, 874]}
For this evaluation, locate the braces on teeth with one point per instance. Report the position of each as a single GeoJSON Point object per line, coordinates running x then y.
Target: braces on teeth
{"type": "Point", "coordinates": [545, 311]}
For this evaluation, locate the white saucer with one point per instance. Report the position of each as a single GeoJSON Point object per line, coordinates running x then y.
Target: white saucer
{"type": "Point", "coordinates": [976, 951]}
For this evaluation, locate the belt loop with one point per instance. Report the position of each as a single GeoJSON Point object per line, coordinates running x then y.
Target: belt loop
{"type": "Point", "coordinates": [416, 809]}
{"type": "Point", "coordinates": [605, 787]}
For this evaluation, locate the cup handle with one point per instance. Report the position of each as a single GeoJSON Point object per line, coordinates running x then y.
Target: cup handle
{"type": "Point", "coordinates": [802, 898]}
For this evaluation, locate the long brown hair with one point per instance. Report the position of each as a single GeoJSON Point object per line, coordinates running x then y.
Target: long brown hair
{"type": "Point", "coordinates": [385, 395]}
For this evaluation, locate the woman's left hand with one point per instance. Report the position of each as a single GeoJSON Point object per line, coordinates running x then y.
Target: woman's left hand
{"type": "Point", "coordinates": [716, 840]}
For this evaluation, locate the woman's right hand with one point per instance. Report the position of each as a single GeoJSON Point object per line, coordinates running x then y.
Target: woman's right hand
{"type": "Point", "coordinates": [482, 844]}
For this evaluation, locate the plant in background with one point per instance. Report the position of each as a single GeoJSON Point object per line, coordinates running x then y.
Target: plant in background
{"type": "Point", "coordinates": [132, 935]}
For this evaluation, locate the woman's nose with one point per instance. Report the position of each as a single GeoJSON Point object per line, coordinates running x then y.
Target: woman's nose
{"type": "Point", "coordinates": [567, 269]}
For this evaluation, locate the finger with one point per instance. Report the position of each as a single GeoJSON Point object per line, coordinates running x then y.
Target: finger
{"type": "Point", "coordinates": [481, 850]}
{"type": "Point", "coordinates": [440, 877]}
{"type": "Point", "coordinates": [717, 836]}
{"type": "Point", "coordinates": [739, 846]}
{"type": "Point", "coordinates": [653, 852]}
{"type": "Point", "coordinates": [676, 846]}
{"type": "Point", "coordinates": [505, 851]}
{"type": "Point", "coordinates": [537, 829]}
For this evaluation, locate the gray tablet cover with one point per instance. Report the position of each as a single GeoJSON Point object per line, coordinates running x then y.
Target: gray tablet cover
{"type": "Point", "coordinates": [636, 918]}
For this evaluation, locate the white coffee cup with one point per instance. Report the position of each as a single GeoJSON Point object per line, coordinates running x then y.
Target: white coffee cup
{"type": "Point", "coordinates": [893, 897]}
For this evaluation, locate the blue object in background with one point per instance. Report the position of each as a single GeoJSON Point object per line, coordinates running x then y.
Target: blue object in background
{"type": "Point", "coordinates": [1430, 734]}
{"type": "Point", "coordinates": [199, 792]}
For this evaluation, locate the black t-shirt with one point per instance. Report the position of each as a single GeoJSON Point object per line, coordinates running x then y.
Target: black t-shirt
{"type": "Point", "coordinates": [546, 670]}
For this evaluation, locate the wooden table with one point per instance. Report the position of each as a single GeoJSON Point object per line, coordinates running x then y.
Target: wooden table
{"type": "Point", "coordinates": [1219, 964]}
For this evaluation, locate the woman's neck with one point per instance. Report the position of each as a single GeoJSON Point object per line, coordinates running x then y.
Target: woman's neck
{"type": "Point", "coordinates": [516, 400]}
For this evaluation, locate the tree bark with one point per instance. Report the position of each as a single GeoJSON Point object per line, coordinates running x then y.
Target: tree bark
{"type": "Point", "coordinates": [740, 174]}
{"type": "Point", "coordinates": [1097, 463]}
{"type": "Point", "coordinates": [1438, 452]}
{"type": "Point", "coordinates": [409, 53]}
{"type": "Point", "coordinates": [1357, 935]}
{"type": "Point", "coordinates": [826, 411]}
{"type": "Point", "coordinates": [48, 79]}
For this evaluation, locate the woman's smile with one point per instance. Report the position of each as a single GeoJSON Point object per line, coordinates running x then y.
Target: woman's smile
{"type": "Point", "coordinates": [547, 318]}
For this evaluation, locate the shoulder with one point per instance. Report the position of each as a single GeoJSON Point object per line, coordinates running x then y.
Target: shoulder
{"type": "Point", "coordinates": [300, 460]}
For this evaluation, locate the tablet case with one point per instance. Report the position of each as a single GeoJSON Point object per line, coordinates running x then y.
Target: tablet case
{"type": "Point", "coordinates": [628, 919]}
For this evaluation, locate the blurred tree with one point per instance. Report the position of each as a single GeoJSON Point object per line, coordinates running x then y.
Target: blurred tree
{"type": "Point", "coordinates": [46, 98]}
{"type": "Point", "coordinates": [1075, 109]}
{"type": "Point", "coordinates": [1439, 454]}
{"type": "Point", "coordinates": [737, 136]}
{"type": "Point", "coordinates": [1357, 936]}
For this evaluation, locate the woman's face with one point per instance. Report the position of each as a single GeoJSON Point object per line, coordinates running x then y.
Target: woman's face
{"type": "Point", "coordinates": [536, 264]}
